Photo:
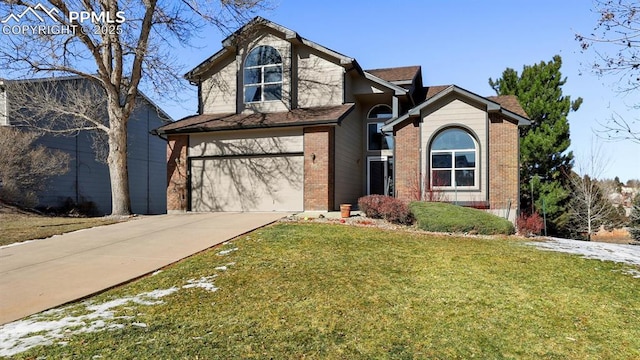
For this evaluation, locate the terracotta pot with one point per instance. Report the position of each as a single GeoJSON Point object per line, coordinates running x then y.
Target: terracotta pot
{"type": "Point", "coordinates": [345, 210]}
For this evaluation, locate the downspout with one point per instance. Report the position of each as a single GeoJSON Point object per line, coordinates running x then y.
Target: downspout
{"type": "Point", "coordinates": [200, 104]}
{"type": "Point", "coordinates": [77, 170]}
{"type": "Point", "coordinates": [148, 167]}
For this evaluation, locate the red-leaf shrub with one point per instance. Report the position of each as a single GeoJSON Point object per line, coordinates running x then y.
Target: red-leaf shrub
{"type": "Point", "coordinates": [386, 207]}
{"type": "Point", "coordinates": [529, 225]}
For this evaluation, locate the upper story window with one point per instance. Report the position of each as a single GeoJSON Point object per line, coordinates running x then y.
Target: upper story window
{"type": "Point", "coordinates": [376, 139]}
{"type": "Point", "coordinates": [263, 75]}
{"type": "Point", "coordinates": [453, 159]}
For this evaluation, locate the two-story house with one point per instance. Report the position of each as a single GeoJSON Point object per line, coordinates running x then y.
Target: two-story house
{"type": "Point", "coordinates": [286, 124]}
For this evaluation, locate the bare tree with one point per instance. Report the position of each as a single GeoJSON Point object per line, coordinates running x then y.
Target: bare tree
{"type": "Point", "coordinates": [589, 206]}
{"type": "Point", "coordinates": [615, 42]}
{"type": "Point", "coordinates": [618, 128]}
{"type": "Point", "coordinates": [26, 167]}
{"type": "Point", "coordinates": [119, 45]}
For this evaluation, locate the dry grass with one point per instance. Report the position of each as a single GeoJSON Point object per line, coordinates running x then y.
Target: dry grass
{"type": "Point", "coordinates": [22, 226]}
{"type": "Point", "coordinates": [615, 236]}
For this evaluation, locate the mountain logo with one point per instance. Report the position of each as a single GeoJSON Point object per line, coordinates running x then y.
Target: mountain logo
{"type": "Point", "coordinates": [38, 11]}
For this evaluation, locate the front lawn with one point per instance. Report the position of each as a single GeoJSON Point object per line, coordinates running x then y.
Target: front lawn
{"type": "Point", "coordinates": [340, 292]}
{"type": "Point", "coordinates": [17, 227]}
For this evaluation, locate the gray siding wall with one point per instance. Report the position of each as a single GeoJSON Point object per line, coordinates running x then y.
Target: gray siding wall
{"type": "Point", "coordinates": [88, 179]}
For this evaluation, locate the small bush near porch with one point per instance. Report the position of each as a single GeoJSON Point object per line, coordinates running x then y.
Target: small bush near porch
{"type": "Point", "coordinates": [444, 217]}
{"type": "Point", "coordinates": [386, 207]}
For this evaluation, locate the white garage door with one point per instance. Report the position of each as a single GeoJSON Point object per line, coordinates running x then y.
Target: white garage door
{"type": "Point", "coordinates": [247, 183]}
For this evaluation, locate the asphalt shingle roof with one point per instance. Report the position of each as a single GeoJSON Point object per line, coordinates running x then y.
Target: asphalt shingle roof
{"type": "Point", "coordinates": [395, 73]}
{"type": "Point", "coordinates": [295, 117]}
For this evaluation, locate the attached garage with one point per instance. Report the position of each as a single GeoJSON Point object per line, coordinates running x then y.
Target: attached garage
{"type": "Point", "coordinates": [261, 171]}
{"type": "Point", "coordinates": [247, 183]}
{"type": "Point", "coordinates": [251, 161]}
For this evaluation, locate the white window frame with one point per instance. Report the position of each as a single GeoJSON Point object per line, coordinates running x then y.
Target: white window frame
{"type": "Point", "coordinates": [453, 168]}
{"type": "Point", "coordinates": [376, 121]}
{"type": "Point", "coordinates": [262, 83]}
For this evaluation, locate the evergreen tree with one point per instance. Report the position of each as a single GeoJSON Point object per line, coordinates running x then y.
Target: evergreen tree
{"type": "Point", "coordinates": [634, 219]}
{"type": "Point", "coordinates": [544, 156]}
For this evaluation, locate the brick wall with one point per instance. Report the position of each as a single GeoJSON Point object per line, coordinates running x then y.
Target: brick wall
{"type": "Point", "coordinates": [407, 161]}
{"type": "Point", "coordinates": [177, 173]}
{"type": "Point", "coordinates": [319, 168]}
{"type": "Point", "coordinates": [503, 163]}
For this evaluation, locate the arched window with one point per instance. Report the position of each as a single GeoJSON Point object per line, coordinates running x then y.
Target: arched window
{"type": "Point", "coordinates": [376, 139]}
{"type": "Point", "coordinates": [380, 112]}
{"type": "Point", "coordinates": [262, 75]}
{"type": "Point", "coordinates": [453, 159]}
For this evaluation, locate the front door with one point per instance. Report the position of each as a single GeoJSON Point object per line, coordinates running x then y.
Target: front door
{"type": "Point", "coordinates": [380, 175]}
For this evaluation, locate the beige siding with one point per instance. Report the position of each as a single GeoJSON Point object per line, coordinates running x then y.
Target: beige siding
{"type": "Point", "coordinates": [349, 160]}
{"type": "Point", "coordinates": [246, 142]}
{"type": "Point", "coordinates": [320, 82]}
{"type": "Point", "coordinates": [358, 85]}
{"type": "Point", "coordinates": [284, 48]}
{"type": "Point", "coordinates": [453, 112]}
{"type": "Point", "coordinates": [219, 90]}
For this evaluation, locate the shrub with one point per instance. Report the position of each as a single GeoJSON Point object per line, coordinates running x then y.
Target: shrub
{"type": "Point", "coordinates": [444, 217]}
{"type": "Point", "coordinates": [529, 225]}
{"type": "Point", "coordinates": [386, 207]}
{"type": "Point", "coordinates": [26, 166]}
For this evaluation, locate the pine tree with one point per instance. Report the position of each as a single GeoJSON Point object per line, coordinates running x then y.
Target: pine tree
{"type": "Point", "coordinates": [634, 219]}
{"type": "Point", "coordinates": [544, 156]}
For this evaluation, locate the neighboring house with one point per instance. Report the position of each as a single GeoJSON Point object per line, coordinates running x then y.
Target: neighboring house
{"type": "Point", "coordinates": [87, 180]}
{"type": "Point", "coordinates": [285, 124]}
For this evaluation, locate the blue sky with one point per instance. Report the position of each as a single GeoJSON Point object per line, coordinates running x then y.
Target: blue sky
{"type": "Point", "coordinates": [463, 43]}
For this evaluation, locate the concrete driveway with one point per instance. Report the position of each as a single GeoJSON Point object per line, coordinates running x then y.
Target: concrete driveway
{"type": "Point", "coordinates": [43, 274]}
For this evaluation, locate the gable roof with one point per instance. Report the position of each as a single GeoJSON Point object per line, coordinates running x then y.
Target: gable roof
{"type": "Point", "coordinates": [231, 121]}
{"type": "Point", "coordinates": [439, 93]}
{"type": "Point", "coordinates": [396, 74]}
{"type": "Point", "coordinates": [230, 42]}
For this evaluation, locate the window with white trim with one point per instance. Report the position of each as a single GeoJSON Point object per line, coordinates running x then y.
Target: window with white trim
{"type": "Point", "coordinates": [453, 159]}
{"type": "Point", "coordinates": [376, 140]}
{"type": "Point", "coordinates": [262, 75]}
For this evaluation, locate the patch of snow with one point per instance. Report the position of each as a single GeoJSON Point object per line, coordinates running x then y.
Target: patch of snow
{"type": "Point", "coordinates": [205, 282]}
{"type": "Point", "coordinates": [142, 325]}
{"type": "Point", "coordinates": [620, 253]}
{"type": "Point", "coordinates": [156, 272]}
{"type": "Point", "coordinates": [633, 272]}
{"type": "Point", "coordinates": [17, 336]}
{"type": "Point", "coordinates": [225, 252]}
{"type": "Point", "coordinates": [222, 268]}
